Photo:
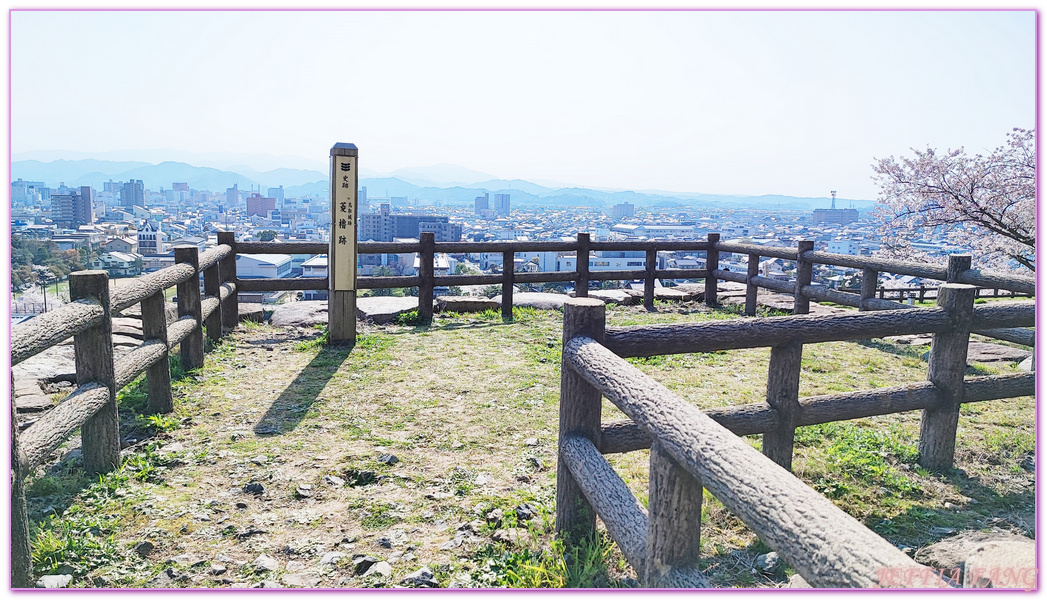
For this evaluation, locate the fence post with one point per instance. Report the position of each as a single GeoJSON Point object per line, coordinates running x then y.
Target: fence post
{"type": "Point", "coordinates": [213, 287]}
{"type": "Point", "coordinates": [868, 292]}
{"type": "Point", "coordinates": [750, 287]}
{"type": "Point", "coordinates": [21, 556]}
{"type": "Point", "coordinates": [158, 375]}
{"type": "Point", "coordinates": [227, 268]}
{"type": "Point", "coordinates": [100, 435]}
{"type": "Point", "coordinates": [674, 517]}
{"type": "Point", "coordinates": [508, 272]}
{"type": "Point", "coordinates": [189, 306]}
{"type": "Point", "coordinates": [648, 281]}
{"type": "Point", "coordinates": [712, 263]}
{"type": "Point", "coordinates": [580, 405]}
{"type": "Point", "coordinates": [581, 288]}
{"type": "Point", "coordinates": [426, 272]}
{"type": "Point", "coordinates": [804, 267]}
{"type": "Point", "coordinates": [958, 263]}
{"type": "Point", "coordinates": [945, 368]}
{"type": "Point", "coordinates": [783, 393]}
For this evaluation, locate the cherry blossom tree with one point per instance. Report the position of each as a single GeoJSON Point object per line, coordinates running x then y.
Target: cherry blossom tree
{"type": "Point", "coordinates": [985, 203]}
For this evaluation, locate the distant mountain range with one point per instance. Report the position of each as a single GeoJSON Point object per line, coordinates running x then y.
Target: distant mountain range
{"type": "Point", "coordinates": [444, 184]}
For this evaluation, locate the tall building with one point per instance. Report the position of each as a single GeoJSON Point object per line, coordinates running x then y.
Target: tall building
{"type": "Point", "coordinates": [73, 209]}
{"type": "Point", "coordinates": [481, 204]}
{"type": "Point", "coordinates": [180, 187]}
{"type": "Point", "coordinates": [132, 194]}
{"type": "Point", "coordinates": [257, 205]}
{"type": "Point", "coordinates": [501, 204]}
{"type": "Point", "coordinates": [842, 216]}
{"type": "Point", "coordinates": [277, 193]}
{"type": "Point", "coordinates": [623, 210]}
{"type": "Point", "coordinates": [232, 196]}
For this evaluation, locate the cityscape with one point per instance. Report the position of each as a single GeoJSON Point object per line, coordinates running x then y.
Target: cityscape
{"type": "Point", "coordinates": [128, 228]}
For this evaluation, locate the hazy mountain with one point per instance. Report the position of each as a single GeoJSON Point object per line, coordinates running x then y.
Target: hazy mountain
{"type": "Point", "coordinates": [441, 175]}
{"type": "Point", "coordinates": [414, 184]}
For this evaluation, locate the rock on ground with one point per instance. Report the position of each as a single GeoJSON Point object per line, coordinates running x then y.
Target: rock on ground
{"type": "Point", "coordinates": [465, 304]}
{"type": "Point", "coordinates": [952, 552]}
{"type": "Point", "coordinates": [985, 352]}
{"type": "Point", "coordinates": [539, 300]}
{"type": "Point", "coordinates": [383, 309]}
{"type": "Point", "coordinates": [251, 311]}
{"type": "Point", "coordinates": [300, 314]}
{"type": "Point", "coordinates": [1001, 565]}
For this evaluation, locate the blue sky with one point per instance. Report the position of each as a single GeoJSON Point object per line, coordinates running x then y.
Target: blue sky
{"type": "Point", "coordinates": [753, 102]}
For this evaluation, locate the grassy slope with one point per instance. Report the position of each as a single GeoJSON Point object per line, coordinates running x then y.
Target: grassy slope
{"type": "Point", "coordinates": [469, 407]}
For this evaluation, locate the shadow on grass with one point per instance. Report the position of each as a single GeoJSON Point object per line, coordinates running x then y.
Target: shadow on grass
{"type": "Point", "coordinates": [288, 410]}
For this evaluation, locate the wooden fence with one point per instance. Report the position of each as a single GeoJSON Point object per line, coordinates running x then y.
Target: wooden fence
{"type": "Point", "coordinates": [91, 407]}
{"type": "Point", "coordinates": [692, 449]}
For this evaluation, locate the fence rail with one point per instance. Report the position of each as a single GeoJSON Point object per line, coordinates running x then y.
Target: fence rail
{"type": "Point", "coordinates": [692, 449]}
{"type": "Point", "coordinates": [87, 318]}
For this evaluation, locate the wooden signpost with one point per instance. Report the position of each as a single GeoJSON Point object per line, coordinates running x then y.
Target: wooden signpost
{"type": "Point", "coordinates": [341, 259]}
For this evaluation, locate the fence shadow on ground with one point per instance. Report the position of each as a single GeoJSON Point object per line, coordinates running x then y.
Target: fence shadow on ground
{"type": "Point", "coordinates": [288, 410]}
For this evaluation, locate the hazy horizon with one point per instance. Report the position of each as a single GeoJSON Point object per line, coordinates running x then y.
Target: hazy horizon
{"type": "Point", "coordinates": [718, 102]}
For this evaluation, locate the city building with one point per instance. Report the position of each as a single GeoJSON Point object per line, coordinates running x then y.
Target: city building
{"type": "Point", "coordinates": [623, 210]}
{"type": "Point", "coordinates": [277, 193]}
{"type": "Point", "coordinates": [73, 209]}
{"type": "Point", "coordinates": [315, 267]}
{"type": "Point", "coordinates": [840, 216]}
{"type": "Point", "coordinates": [232, 196]}
{"type": "Point", "coordinates": [384, 226]}
{"type": "Point", "coordinates": [257, 205]}
{"type": "Point", "coordinates": [482, 203]}
{"type": "Point", "coordinates": [254, 266]}
{"type": "Point", "coordinates": [119, 264]}
{"type": "Point", "coordinates": [151, 240]}
{"type": "Point", "coordinates": [132, 194]}
{"type": "Point", "coordinates": [501, 204]}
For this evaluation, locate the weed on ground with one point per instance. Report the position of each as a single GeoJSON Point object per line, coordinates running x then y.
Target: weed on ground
{"type": "Point", "coordinates": [290, 462]}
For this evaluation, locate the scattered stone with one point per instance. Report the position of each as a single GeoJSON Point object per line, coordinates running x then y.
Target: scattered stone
{"type": "Point", "coordinates": [951, 553]}
{"type": "Point", "coordinates": [523, 478]}
{"type": "Point", "coordinates": [254, 488]}
{"type": "Point", "coordinates": [251, 311]}
{"type": "Point", "coordinates": [495, 517]}
{"type": "Point", "coordinates": [438, 496]}
{"type": "Point", "coordinates": [304, 491]}
{"type": "Point", "coordinates": [531, 442]}
{"type": "Point", "coordinates": [942, 530]}
{"type": "Point", "coordinates": [515, 536]}
{"type": "Point", "coordinates": [385, 543]}
{"type": "Point", "coordinates": [241, 505]}
{"type": "Point", "coordinates": [422, 578]}
{"type": "Point", "coordinates": [1028, 365]}
{"type": "Point", "coordinates": [376, 309]}
{"type": "Point", "coordinates": [261, 459]}
{"type": "Point", "coordinates": [984, 352]}
{"type": "Point", "coordinates": [363, 563]}
{"type": "Point", "coordinates": [1029, 463]}
{"type": "Point", "coordinates": [302, 314]}
{"type": "Point", "coordinates": [388, 459]}
{"type": "Point", "coordinates": [267, 584]}
{"type": "Point", "coordinates": [333, 481]}
{"type": "Point", "coordinates": [265, 563]}
{"type": "Point", "coordinates": [481, 479]}
{"type": "Point", "coordinates": [223, 558]}
{"type": "Point", "coordinates": [218, 569]}
{"type": "Point", "coordinates": [457, 446]}
{"type": "Point", "coordinates": [144, 548]}
{"type": "Point", "coordinates": [525, 512]}
{"type": "Point", "coordinates": [331, 558]}
{"type": "Point", "coordinates": [382, 569]}
{"type": "Point", "coordinates": [795, 581]}
{"type": "Point", "coordinates": [52, 582]}
{"type": "Point", "coordinates": [767, 563]}
{"type": "Point", "coordinates": [300, 580]}
{"type": "Point", "coordinates": [181, 559]}
{"type": "Point", "coordinates": [537, 463]}
{"type": "Point", "coordinates": [450, 545]}
{"type": "Point", "coordinates": [1001, 565]}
